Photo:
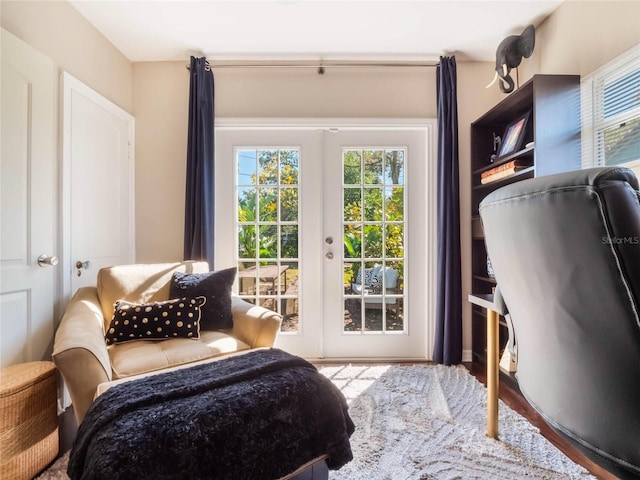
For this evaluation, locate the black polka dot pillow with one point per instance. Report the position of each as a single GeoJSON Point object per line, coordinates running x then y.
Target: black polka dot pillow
{"type": "Point", "coordinates": [177, 318]}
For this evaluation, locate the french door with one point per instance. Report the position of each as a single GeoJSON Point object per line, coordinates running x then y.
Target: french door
{"type": "Point", "coordinates": [330, 228]}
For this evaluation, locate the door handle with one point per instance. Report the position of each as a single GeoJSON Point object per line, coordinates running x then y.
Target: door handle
{"type": "Point", "coordinates": [82, 265]}
{"type": "Point", "coordinates": [329, 256]}
{"type": "Point", "coordinates": [328, 240]}
{"type": "Point", "coordinates": [47, 261]}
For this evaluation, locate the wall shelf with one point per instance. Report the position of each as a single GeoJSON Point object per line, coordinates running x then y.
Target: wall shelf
{"type": "Point", "coordinates": [521, 175]}
{"type": "Point", "coordinates": [520, 154]}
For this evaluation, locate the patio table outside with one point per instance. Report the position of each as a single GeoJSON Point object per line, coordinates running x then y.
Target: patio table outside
{"type": "Point", "coordinates": [268, 274]}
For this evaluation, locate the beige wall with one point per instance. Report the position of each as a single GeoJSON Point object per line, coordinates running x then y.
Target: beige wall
{"type": "Point", "coordinates": [581, 36]}
{"type": "Point", "coordinates": [56, 29]}
{"type": "Point", "coordinates": [161, 108]}
{"type": "Point", "coordinates": [303, 93]}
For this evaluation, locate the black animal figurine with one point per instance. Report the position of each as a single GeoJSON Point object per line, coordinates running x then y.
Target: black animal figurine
{"type": "Point", "coordinates": [509, 55]}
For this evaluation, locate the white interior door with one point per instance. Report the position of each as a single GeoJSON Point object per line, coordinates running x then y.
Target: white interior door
{"type": "Point", "coordinates": [285, 215]}
{"type": "Point", "coordinates": [98, 183]}
{"type": "Point", "coordinates": [28, 202]}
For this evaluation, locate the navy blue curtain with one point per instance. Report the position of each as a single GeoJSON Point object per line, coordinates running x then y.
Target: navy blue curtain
{"type": "Point", "coordinates": [448, 340]}
{"type": "Point", "coordinates": [199, 213]}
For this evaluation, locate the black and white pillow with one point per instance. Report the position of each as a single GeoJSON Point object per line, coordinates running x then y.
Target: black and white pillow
{"type": "Point", "coordinates": [177, 318]}
{"type": "Point", "coordinates": [368, 274]}
{"type": "Point", "coordinates": [376, 283]}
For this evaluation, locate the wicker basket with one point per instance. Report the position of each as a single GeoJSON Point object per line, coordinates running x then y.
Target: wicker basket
{"type": "Point", "coordinates": [28, 419]}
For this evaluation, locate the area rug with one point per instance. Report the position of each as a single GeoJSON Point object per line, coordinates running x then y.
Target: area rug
{"type": "Point", "coordinates": [429, 421]}
{"type": "Point", "coordinates": [424, 422]}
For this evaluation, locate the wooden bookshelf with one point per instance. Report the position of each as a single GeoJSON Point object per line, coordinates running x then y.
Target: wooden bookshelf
{"type": "Point", "coordinates": [551, 145]}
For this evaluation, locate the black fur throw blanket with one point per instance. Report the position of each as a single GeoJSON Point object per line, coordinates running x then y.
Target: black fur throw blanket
{"type": "Point", "coordinates": [256, 416]}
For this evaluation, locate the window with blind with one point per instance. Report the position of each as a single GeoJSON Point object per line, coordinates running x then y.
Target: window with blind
{"type": "Point", "coordinates": [611, 113]}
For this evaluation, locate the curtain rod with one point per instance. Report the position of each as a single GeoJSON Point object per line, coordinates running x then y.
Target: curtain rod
{"type": "Point", "coordinates": [322, 65]}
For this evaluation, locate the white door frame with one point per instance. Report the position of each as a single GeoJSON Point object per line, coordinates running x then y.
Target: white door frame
{"type": "Point", "coordinates": [68, 85]}
{"type": "Point", "coordinates": [428, 126]}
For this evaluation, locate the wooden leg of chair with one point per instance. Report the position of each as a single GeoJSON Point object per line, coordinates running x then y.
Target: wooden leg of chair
{"type": "Point", "coordinates": [492, 374]}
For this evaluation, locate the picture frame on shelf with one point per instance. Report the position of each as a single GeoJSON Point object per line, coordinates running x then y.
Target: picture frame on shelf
{"type": "Point", "coordinates": [514, 135]}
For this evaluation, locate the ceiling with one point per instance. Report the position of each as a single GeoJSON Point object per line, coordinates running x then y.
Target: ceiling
{"type": "Point", "coordinates": [311, 29]}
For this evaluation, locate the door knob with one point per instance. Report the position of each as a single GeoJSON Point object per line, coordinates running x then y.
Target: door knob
{"type": "Point", "coordinates": [329, 256]}
{"type": "Point", "coordinates": [82, 265]}
{"type": "Point", "coordinates": [328, 240]}
{"type": "Point", "coordinates": [47, 261]}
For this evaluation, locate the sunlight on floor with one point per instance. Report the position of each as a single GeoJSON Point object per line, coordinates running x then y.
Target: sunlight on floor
{"type": "Point", "coordinates": [352, 380]}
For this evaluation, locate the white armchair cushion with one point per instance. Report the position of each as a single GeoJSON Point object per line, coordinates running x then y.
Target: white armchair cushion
{"type": "Point", "coordinates": [145, 356]}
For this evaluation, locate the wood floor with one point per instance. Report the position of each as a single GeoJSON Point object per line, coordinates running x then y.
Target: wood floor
{"type": "Point", "coordinates": [517, 402]}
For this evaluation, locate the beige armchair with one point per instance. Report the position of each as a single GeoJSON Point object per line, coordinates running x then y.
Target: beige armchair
{"type": "Point", "coordinates": [88, 366]}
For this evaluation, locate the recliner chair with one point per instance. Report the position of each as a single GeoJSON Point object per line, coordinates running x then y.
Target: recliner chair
{"type": "Point", "coordinates": [565, 250]}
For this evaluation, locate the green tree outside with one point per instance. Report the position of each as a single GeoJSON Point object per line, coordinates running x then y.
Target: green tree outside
{"type": "Point", "coordinates": [373, 201]}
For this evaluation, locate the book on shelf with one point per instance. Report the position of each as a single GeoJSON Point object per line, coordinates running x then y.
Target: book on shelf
{"type": "Point", "coordinates": [506, 166]}
{"type": "Point", "coordinates": [502, 174]}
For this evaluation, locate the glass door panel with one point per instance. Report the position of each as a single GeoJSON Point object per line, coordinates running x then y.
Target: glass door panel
{"type": "Point", "coordinates": [267, 225]}
{"type": "Point", "coordinates": [373, 219]}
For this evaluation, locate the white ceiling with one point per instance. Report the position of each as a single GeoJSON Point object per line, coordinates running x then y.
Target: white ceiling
{"type": "Point", "coordinates": [311, 29]}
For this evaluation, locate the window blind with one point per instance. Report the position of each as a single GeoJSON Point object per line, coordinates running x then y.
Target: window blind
{"type": "Point", "coordinates": [611, 112]}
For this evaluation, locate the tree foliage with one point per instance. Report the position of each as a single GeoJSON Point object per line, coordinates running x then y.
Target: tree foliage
{"type": "Point", "coordinates": [271, 196]}
{"type": "Point", "coordinates": [373, 202]}
{"type": "Point", "coordinates": [374, 207]}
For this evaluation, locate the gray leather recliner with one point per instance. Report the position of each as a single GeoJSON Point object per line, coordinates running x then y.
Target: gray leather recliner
{"type": "Point", "coordinates": [565, 250]}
